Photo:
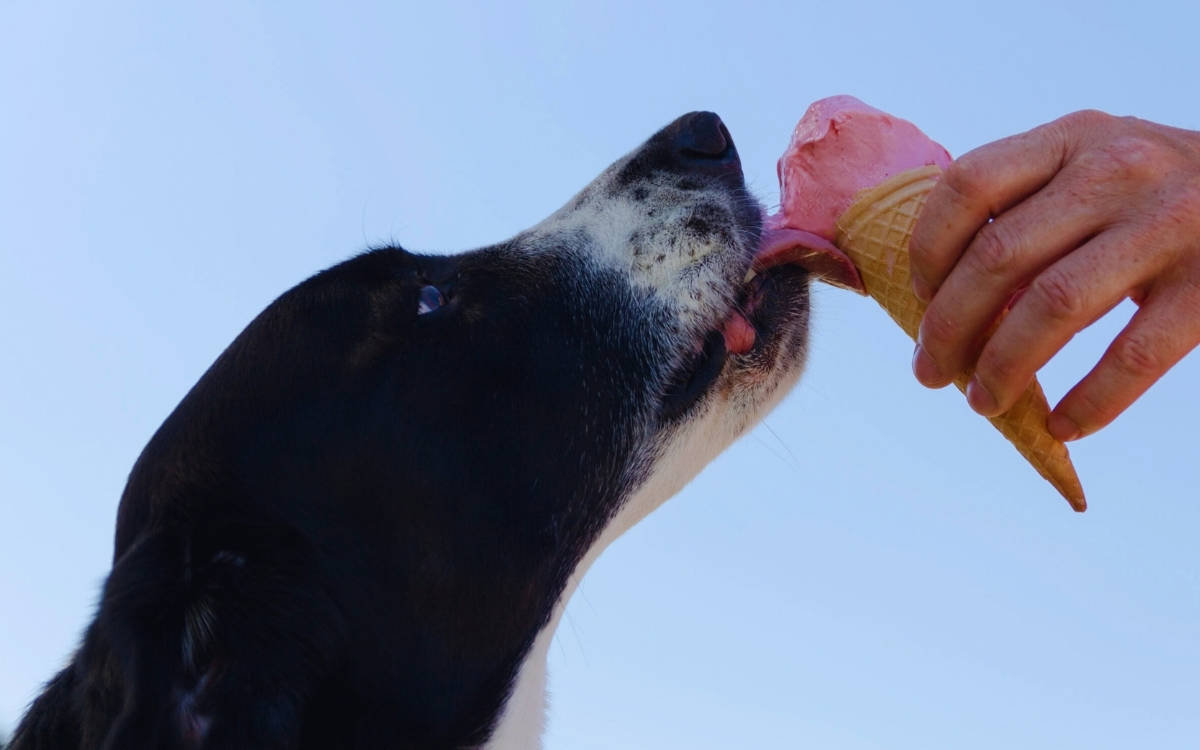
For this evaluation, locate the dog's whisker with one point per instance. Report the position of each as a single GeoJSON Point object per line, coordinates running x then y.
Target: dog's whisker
{"type": "Point", "coordinates": [795, 462]}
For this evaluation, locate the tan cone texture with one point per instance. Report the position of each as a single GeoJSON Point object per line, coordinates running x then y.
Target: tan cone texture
{"type": "Point", "coordinates": [875, 232]}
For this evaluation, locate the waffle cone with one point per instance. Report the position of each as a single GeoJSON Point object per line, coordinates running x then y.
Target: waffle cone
{"type": "Point", "coordinates": [874, 232]}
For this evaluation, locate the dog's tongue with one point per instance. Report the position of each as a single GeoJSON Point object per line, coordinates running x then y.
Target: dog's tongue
{"type": "Point", "coordinates": [780, 245]}
{"type": "Point", "coordinates": [739, 334]}
{"type": "Point", "coordinates": [840, 147]}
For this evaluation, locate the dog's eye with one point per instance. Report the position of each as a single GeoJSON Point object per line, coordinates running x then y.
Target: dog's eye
{"type": "Point", "coordinates": [429, 299]}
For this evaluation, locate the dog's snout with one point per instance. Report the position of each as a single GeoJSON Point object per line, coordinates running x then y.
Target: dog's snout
{"type": "Point", "coordinates": [700, 141]}
{"type": "Point", "coordinates": [696, 144]}
{"type": "Point", "coordinates": [701, 135]}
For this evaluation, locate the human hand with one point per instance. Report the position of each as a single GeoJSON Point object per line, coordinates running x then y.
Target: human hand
{"type": "Point", "coordinates": [1087, 210]}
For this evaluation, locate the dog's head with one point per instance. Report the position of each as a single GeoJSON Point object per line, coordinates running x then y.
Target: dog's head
{"type": "Point", "coordinates": [453, 438]}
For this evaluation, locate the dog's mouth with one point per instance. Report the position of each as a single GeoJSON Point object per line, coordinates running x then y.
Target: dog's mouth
{"type": "Point", "coordinates": [782, 251]}
{"type": "Point", "coordinates": [784, 261]}
{"type": "Point", "coordinates": [765, 303]}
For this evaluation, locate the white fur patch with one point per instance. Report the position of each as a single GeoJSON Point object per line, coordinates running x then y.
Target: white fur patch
{"type": "Point", "coordinates": [649, 240]}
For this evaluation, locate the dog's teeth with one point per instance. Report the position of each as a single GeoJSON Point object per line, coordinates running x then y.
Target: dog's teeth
{"type": "Point", "coordinates": [749, 276]}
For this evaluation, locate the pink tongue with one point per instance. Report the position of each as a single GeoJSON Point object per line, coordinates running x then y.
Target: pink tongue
{"type": "Point", "coordinates": [739, 334]}
{"type": "Point", "coordinates": [781, 245]}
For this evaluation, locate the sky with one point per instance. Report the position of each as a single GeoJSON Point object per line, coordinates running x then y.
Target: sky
{"type": "Point", "coordinates": [873, 567]}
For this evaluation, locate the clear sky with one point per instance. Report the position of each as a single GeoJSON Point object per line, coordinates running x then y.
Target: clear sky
{"type": "Point", "coordinates": [874, 568]}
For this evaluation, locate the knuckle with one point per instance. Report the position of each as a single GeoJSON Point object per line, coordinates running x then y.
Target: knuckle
{"type": "Point", "coordinates": [994, 249]}
{"type": "Point", "coordinates": [1085, 119]}
{"type": "Point", "coordinates": [1059, 295]}
{"type": "Point", "coordinates": [1136, 355]}
{"type": "Point", "coordinates": [937, 330]}
{"type": "Point", "coordinates": [967, 180]}
{"type": "Point", "coordinates": [1088, 409]}
{"type": "Point", "coordinates": [999, 371]}
{"type": "Point", "coordinates": [918, 248]}
{"type": "Point", "coordinates": [1133, 157]}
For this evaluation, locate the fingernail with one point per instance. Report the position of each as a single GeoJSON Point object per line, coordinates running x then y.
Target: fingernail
{"type": "Point", "coordinates": [1063, 428]}
{"type": "Point", "coordinates": [922, 289]}
{"type": "Point", "coordinates": [926, 370]}
{"type": "Point", "coordinates": [980, 399]}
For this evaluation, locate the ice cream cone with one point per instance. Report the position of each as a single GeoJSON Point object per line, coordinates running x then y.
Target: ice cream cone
{"type": "Point", "coordinates": [874, 232]}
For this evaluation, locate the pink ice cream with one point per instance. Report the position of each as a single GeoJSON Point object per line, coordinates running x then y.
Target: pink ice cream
{"type": "Point", "coordinates": [840, 147]}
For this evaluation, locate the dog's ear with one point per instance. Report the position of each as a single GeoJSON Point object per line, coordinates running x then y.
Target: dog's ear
{"type": "Point", "coordinates": [53, 719]}
{"type": "Point", "coordinates": [242, 647]}
{"type": "Point", "coordinates": [195, 645]}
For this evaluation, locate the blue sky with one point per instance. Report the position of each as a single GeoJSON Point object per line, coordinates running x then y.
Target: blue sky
{"type": "Point", "coordinates": [873, 568]}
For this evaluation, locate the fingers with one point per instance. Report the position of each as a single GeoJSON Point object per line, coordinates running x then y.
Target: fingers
{"type": "Point", "coordinates": [979, 185]}
{"type": "Point", "coordinates": [1161, 333]}
{"type": "Point", "coordinates": [1060, 301]}
{"type": "Point", "coordinates": [1003, 256]}
{"type": "Point", "coordinates": [1130, 186]}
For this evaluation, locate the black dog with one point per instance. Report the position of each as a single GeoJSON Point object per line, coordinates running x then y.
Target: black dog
{"type": "Point", "coordinates": [360, 527]}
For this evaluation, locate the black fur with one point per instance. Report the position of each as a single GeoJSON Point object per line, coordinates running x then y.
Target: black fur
{"type": "Point", "coordinates": [349, 532]}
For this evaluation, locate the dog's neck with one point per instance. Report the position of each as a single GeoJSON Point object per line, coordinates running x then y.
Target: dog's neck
{"type": "Point", "coordinates": [524, 716]}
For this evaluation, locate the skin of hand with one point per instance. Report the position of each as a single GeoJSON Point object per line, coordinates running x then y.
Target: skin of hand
{"type": "Point", "coordinates": [1037, 236]}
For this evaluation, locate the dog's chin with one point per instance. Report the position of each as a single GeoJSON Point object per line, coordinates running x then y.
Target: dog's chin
{"type": "Point", "coordinates": [764, 364]}
{"type": "Point", "coordinates": [753, 354]}
{"type": "Point", "coordinates": [773, 313]}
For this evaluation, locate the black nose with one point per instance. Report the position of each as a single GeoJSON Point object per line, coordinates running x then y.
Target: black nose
{"type": "Point", "coordinates": [701, 142]}
{"type": "Point", "coordinates": [696, 144]}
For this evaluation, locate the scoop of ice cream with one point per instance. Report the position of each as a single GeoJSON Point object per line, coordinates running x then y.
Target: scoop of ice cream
{"type": "Point", "coordinates": [840, 147]}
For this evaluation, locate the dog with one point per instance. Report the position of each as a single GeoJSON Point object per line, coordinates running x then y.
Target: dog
{"type": "Point", "coordinates": [361, 526]}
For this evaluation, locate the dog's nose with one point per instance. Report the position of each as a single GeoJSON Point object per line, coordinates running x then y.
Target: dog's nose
{"type": "Point", "coordinates": [701, 142]}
